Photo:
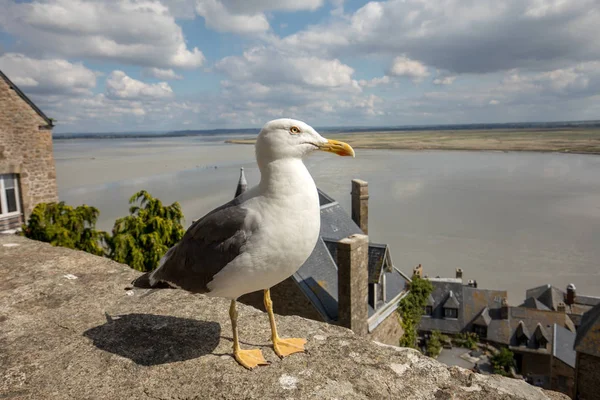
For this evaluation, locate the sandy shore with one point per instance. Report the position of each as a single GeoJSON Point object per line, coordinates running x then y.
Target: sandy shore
{"type": "Point", "coordinates": [583, 141]}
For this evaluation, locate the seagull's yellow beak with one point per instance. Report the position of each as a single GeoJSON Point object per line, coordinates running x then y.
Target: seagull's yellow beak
{"type": "Point", "coordinates": [337, 147]}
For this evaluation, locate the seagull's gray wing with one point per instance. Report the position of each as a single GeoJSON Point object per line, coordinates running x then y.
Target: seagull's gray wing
{"type": "Point", "coordinates": [206, 248]}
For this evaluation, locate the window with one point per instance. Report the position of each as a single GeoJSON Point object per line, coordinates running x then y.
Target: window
{"type": "Point", "coordinates": [522, 340]}
{"type": "Point", "coordinates": [451, 312]}
{"type": "Point", "coordinates": [429, 310]}
{"type": "Point", "coordinates": [481, 331]}
{"type": "Point", "coordinates": [562, 381]}
{"type": "Point", "coordinates": [9, 195]}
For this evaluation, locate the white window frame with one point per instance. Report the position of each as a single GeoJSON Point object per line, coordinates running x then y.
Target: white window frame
{"type": "Point", "coordinates": [3, 201]}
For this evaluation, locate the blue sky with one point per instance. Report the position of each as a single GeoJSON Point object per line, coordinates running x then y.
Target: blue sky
{"type": "Point", "coordinates": [131, 65]}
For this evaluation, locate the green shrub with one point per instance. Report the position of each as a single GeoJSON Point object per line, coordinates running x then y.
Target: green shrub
{"type": "Point", "coordinates": [144, 236]}
{"type": "Point", "coordinates": [411, 309]}
{"type": "Point", "coordinates": [468, 340]}
{"type": "Point", "coordinates": [435, 343]}
{"type": "Point", "coordinates": [62, 225]}
{"type": "Point", "coordinates": [502, 361]}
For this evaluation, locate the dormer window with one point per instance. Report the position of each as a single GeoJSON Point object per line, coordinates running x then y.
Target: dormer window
{"type": "Point", "coordinates": [428, 311]}
{"type": "Point", "coordinates": [451, 306]}
{"type": "Point", "coordinates": [522, 335]}
{"type": "Point", "coordinates": [541, 337]}
{"type": "Point", "coordinates": [450, 312]}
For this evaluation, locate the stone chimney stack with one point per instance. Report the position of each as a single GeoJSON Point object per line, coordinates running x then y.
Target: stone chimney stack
{"type": "Point", "coordinates": [418, 271]}
{"type": "Point", "coordinates": [353, 283]}
{"type": "Point", "coordinates": [571, 294]}
{"type": "Point", "coordinates": [504, 309]}
{"type": "Point", "coordinates": [459, 273]}
{"type": "Point", "coordinates": [360, 204]}
{"type": "Point", "coordinates": [242, 184]}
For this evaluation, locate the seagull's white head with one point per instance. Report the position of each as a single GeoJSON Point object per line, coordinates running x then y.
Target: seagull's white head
{"type": "Point", "coordinates": [290, 138]}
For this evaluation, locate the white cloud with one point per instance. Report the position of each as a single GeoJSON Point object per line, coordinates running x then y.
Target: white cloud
{"type": "Point", "coordinates": [219, 18]}
{"type": "Point", "coordinates": [374, 82]}
{"type": "Point", "coordinates": [246, 17]}
{"type": "Point", "coordinates": [134, 32]}
{"type": "Point", "coordinates": [444, 80]}
{"type": "Point", "coordinates": [158, 73]}
{"type": "Point", "coordinates": [47, 75]}
{"type": "Point", "coordinates": [461, 36]}
{"type": "Point", "coordinates": [404, 66]}
{"type": "Point", "coordinates": [121, 86]}
{"type": "Point", "coordinates": [268, 66]}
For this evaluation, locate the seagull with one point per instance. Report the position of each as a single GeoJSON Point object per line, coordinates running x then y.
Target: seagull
{"type": "Point", "coordinates": [258, 239]}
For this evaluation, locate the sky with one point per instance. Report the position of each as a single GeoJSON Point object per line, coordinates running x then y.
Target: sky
{"type": "Point", "coordinates": [160, 65]}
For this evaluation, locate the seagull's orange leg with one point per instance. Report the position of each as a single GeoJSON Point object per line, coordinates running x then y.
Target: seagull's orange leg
{"type": "Point", "coordinates": [282, 347]}
{"type": "Point", "coordinates": [247, 358]}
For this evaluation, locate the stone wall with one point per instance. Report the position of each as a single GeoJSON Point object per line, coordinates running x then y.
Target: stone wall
{"type": "Point", "coordinates": [69, 330]}
{"type": "Point", "coordinates": [588, 377]}
{"type": "Point", "coordinates": [389, 331]}
{"type": "Point", "coordinates": [536, 366]}
{"type": "Point", "coordinates": [566, 384]}
{"type": "Point", "coordinates": [26, 150]}
{"type": "Point", "coordinates": [288, 299]}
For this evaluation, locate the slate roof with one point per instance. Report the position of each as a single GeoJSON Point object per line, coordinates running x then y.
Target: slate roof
{"type": "Point", "coordinates": [471, 305]}
{"type": "Point", "coordinates": [441, 288]}
{"type": "Point", "coordinates": [451, 301]}
{"type": "Point", "coordinates": [562, 348]}
{"type": "Point", "coordinates": [535, 324]}
{"type": "Point", "coordinates": [548, 295]}
{"type": "Point", "coordinates": [318, 275]}
{"type": "Point", "coordinates": [22, 95]}
{"type": "Point", "coordinates": [483, 318]}
{"type": "Point", "coordinates": [532, 302]}
{"type": "Point", "coordinates": [588, 335]}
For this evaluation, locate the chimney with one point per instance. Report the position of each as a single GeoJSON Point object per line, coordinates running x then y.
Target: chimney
{"type": "Point", "coordinates": [360, 204]}
{"type": "Point", "coordinates": [353, 283]}
{"type": "Point", "coordinates": [418, 271]}
{"type": "Point", "coordinates": [571, 294]}
{"type": "Point", "coordinates": [504, 309]}
{"type": "Point", "coordinates": [242, 184]}
{"type": "Point", "coordinates": [561, 307]}
{"type": "Point", "coordinates": [459, 273]}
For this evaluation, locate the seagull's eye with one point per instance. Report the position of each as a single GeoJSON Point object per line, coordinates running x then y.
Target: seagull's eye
{"type": "Point", "coordinates": [294, 130]}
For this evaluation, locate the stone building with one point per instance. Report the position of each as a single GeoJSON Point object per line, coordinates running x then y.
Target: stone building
{"type": "Point", "coordinates": [587, 346]}
{"type": "Point", "coordinates": [548, 297]}
{"type": "Point", "coordinates": [347, 280]}
{"type": "Point", "coordinates": [27, 171]}
{"type": "Point", "coordinates": [541, 338]}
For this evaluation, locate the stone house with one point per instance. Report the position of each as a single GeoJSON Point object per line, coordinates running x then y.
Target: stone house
{"type": "Point", "coordinates": [347, 280]}
{"type": "Point", "coordinates": [540, 338]}
{"type": "Point", "coordinates": [548, 297]}
{"type": "Point", "coordinates": [587, 346]}
{"type": "Point", "coordinates": [27, 171]}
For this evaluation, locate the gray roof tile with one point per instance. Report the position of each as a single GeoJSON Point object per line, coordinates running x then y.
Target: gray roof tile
{"type": "Point", "coordinates": [563, 346]}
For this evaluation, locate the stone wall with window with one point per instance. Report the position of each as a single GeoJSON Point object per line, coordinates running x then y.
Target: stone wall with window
{"type": "Point", "coordinates": [27, 167]}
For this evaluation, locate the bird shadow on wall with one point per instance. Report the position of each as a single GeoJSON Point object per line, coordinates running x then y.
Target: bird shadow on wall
{"type": "Point", "coordinates": [149, 339]}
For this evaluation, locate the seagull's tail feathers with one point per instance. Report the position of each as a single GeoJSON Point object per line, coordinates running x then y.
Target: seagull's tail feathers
{"type": "Point", "coordinates": [148, 280]}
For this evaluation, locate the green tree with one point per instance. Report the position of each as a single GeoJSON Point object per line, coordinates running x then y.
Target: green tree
{"type": "Point", "coordinates": [411, 309]}
{"type": "Point", "coordinates": [143, 237]}
{"type": "Point", "coordinates": [502, 361]}
{"type": "Point", "coordinates": [434, 344]}
{"type": "Point", "coordinates": [468, 340]}
{"type": "Point", "coordinates": [62, 225]}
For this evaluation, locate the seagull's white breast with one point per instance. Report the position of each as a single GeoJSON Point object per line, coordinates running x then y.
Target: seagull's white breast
{"type": "Point", "coordinates": [286, 211]}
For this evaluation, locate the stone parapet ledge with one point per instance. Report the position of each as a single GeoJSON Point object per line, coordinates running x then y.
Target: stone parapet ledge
{"type": "Point", "coordinates": [69, 330]}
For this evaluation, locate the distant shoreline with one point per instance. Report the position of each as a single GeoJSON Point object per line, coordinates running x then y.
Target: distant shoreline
{"type": "Point", "coordinates": [576, 141]}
